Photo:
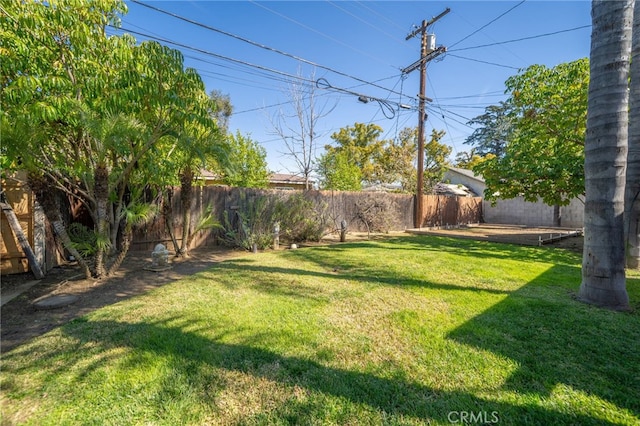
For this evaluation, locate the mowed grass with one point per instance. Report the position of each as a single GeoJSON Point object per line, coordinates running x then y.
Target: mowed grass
{"type": "Point", "coordinates": [409, 330]}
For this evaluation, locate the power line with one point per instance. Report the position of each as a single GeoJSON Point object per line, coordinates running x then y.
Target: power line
{"type": "Point", "coordinates": [340, 42]}
{"type": "Point", "coordinates": [386, 18]}
{"type": "Point", "coordinates": [483, 62]}
{"type": "Point", "coordinates": [260, 45]}
{"type": "Point", "coordinates": [435, 96]}
{"type": "Point", "coordinates": [487, 24]}
{"type": "Point", "coordinates": [522, 39]}
{"type": "Point", "coordinates": [487, 35]}
{"type": "Point", "coordinates": [383, 104]}
{"type": "Point", "coordinates": [494, 93]}
{"type": "Point", "coordinates": [264, 73]}
{"type": "Point", "coordinates": [366, 22]}
{"type": "Point", "coordinates": [216, 55]}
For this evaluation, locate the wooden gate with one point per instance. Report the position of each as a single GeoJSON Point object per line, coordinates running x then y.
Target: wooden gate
{"type": "Point", "coordinates": [12, 259]}
{"type": "Point", "coordinates": [443, 210]}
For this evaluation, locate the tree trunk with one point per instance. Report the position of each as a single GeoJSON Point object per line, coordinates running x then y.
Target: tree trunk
{"type": "Point", "coordinates": [632, 192]}
{"type": "Point", "coordinates": [22, 239]}
{"type": "Point", "coordinates": [186, 200]}
{"type": "Point", "coordinates": [167, 213]}
{"type": "Point", "coordinates": [46, 197]}
{"type": "Point", "coordinates": [557, 216]}
{"type": "Point", "coordinates": [603, 274]}
{"type": "Point", "coordinates": [101, 190]}
{"type": "Point", "coordinates": [126, 243]}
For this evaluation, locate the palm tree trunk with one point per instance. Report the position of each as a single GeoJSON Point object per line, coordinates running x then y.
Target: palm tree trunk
{"type": "Point", "coordinates": [46, 197]}
{"type": "Point", "coordinates": [186, 198]}
{"type": "Point", "coordinates": [167, 213]}
{"type": "Point", "coordinates": [632, 192]}
{"type": "Point", "coordinates": [126, 243]}
{"type": "Point", "coordinates": [603, 274]}
{"type": "Point", "coordinates": [101, 190]}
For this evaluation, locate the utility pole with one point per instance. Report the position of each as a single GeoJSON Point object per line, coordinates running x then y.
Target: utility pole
{"type": "Point", "coordinates": [428, 51]}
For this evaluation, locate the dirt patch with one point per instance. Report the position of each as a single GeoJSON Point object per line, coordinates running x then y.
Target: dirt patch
{"type": "Point", "coordinates": [22, 320]}
{"type": "Point", "coordinates": [522, 235]}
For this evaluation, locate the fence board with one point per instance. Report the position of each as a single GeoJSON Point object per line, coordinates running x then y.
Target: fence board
{"type": "Point", "coordinates": [336, 205]}
{"type": "Point", "coordinates": [12, 259]}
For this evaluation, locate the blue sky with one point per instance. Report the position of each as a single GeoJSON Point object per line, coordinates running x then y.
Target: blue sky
{"type": "Point", "coordinates": [359, 42]}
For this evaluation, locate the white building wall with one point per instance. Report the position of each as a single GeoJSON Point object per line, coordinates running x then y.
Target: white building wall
{"type": "Point", "coordinates": [517, 211]}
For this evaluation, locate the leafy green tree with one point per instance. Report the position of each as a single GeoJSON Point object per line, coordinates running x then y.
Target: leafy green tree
{"type": "Point", "coordinates": [436, 160]}
{"type": "Point", "coordinates": [469, 159]}
{"type": "Point", "coordinates": [398, 160]}
{"type": "Point", "coordinates": [544, 157]}
{"type": "Point", "coordinates": [246, 163]}
{"type": "Point", "coordinates": [494, 131]}
{"type": "Point", "coordinates": [337, 171]}
{"type": "Point", "coordinates": [360, 143]}
{"type": "Point", "coordinates": [360, 156]}
{"type": "Point", "coordinates": [222, 109]}
{"type": "Point", "coordinates": [99, 116]}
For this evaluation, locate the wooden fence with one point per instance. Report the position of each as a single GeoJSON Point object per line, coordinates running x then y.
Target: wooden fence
{"type": "Point", "coordinates": [442, 210]}
{"type": "Point", "coordinates": [12, 258]}
{"type": "Point", "coordinates": [336, 206]}
{"type": "Point", "coordinates": [35, 230]}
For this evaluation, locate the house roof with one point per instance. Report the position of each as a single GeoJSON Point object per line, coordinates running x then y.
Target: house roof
{"type": "Point", "coordinates": [382, 187]}
{"type": "Point", "coordinates": [287, 178]}
{"type": "Point", "coordinates": [466, 172]}
{"type": "Point", "coordinates": [453, 189]}
{"type": "Point", "coordinates": [206, 174]}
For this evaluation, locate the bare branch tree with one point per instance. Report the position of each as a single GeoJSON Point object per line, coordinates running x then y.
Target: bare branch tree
{"type": "Point", "coordinates": [298, 126]}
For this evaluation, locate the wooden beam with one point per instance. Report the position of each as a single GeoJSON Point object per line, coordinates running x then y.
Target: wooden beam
{"type": "Point", "coordinates": [22, 239]}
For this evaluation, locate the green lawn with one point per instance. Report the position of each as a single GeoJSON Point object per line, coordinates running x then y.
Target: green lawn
{"type": "Point", "coordinates": [409, 330]}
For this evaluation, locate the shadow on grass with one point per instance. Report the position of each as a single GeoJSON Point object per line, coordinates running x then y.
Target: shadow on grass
{"type": "Point", "coordinates": [336, 262]}
{"type": "Point", "coordinates": [21, 322]}
{"type": "Point", "coordinates": [475, 248]}
{"type": "Point", "coordinates": [382, 277]}
{"type": "Point", "coordinates": [586, 348]}
{"type": "Point", "coordinates": [553, 341]}
{"type": "Point", "coordinates": [189, 352]}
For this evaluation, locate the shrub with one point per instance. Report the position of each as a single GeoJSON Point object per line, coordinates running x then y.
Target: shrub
{"type": "Point", "coordinates": [301, 219]}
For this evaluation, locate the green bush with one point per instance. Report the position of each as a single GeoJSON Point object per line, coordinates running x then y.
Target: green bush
{"type": "Point", "coordinates": [252, 223]}
{"type": "Point", "coordinates": [83, 239]}
{"type": "Point", "coordinates": [301, 219]}
{"type": "Point", "coordinates": [255, 219]}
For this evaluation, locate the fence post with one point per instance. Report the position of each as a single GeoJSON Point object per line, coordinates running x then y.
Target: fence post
{"type": "Point", "coordinates": [343, 231]}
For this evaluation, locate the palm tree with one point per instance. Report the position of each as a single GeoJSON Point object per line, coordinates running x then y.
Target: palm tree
{"type": "Point", "coordinates": [603, 274]}
{"type": "Point", "coordinates": [632, 192]}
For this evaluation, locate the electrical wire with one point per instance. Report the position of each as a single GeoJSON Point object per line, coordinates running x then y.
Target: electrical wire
{"type": "Point", "coordinates": [402, 79]}
{"type": "Point", "coordinates": [335, 40]}
{"type": "Point", "coordinates": [522, 38]}
{"type": "Point", "coordinates": [242, 63]}
{"type": "Point", "coordinates": [482, 62]}
{"type": "Point", "coordinates": [260, 45]}
{"type": "Point", "coordinates": [494, 93]}
{"type": "Point", "coordinates": [487, 24]}
{"type": "Point", "coordinates": [446, 124]}
{"type": "Point", "coordinates": [380, 15]}
{"type": "Point", "coordinates": [506, 49]}
{"type": "Point", "coordinates": [216, 55]}
{"type": "Point", "coordinates": [385, 106]}
{"type": "Point", "coordinates": [392, 37]}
